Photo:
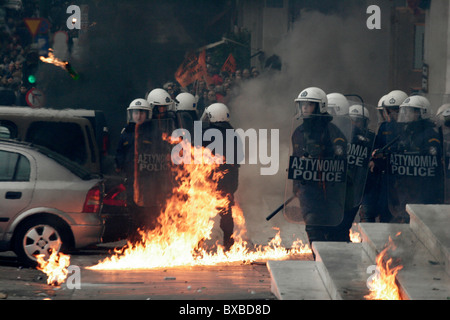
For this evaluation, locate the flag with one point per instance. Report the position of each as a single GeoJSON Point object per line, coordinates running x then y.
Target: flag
{"type": "Point", "coordinates": [193, 68]}
{"type": "Point", "coordinates": [229, 65]}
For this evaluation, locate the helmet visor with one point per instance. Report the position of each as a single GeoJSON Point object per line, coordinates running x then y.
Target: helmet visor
{"type": "Point", "coordinates": [392, 112]}
{"type": "Point", "coordinates": [409, 114]}
{"type": "Point", "coordinates": [333, 110]}
{"type": "Point", "coordinates": [137, 115]}
{"type": "Point", "coordinates": [306, 109]}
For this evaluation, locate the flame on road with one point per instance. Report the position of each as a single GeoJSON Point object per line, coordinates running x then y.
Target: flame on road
{"type": "Point", "coordinates": [187, 221]}
{"type": "Point", "coordinates": [55, 267]}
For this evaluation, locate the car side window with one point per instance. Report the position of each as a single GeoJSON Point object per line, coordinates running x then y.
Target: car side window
{"type": "Point", "coordinates": [22, 169]}
{"type": "Point", "coordinates": [14, 167]}
{"type": "Point", "coordinates": [65, 138]}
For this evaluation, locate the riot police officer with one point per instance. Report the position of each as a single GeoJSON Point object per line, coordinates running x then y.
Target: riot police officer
{"type": "Point", "coordinates": [415, 167]}
{"type": "Point", "coordinates": [359, 153]}
{"type": "Point", "coordinates": [154, 180]}
{"type": "Point", "coordinates": [137, 112]}
{"type": "Point", "coordinates": [375, 199]}
{"type": "Point", "coordinates": [318, 166]}
{"type": "Point", "coordinates": [443, 122]}
{"type": "Point", "coordinates": [419, 131]}
{"type": "Point", "coordinates": [217, 116]}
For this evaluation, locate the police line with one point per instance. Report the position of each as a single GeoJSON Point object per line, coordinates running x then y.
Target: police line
{"type": "Point", "coordinates": [331, 170]}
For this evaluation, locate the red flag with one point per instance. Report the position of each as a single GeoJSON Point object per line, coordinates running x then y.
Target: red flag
{"type": "Point", "coordinates": [193, 68]}
{"type": "Point", "coordinates": [229, 65]}
{"type": "Point", "coordinates": [203, 71]}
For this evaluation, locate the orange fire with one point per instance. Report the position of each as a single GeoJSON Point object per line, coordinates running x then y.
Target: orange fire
{"type": "Point", "coordinates": [355, 237]}
{"type": "Point", "coordinates": [187, 221]}
{"type": "Point", "coordinates": [383, 285]}
{"type": "Point", "coordinates": [53, 60]}
{"type": "Point", "coordinates": [55, 267]}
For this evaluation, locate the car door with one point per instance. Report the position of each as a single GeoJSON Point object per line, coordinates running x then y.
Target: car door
{"type": "Point", "coordinates": [17, 180]}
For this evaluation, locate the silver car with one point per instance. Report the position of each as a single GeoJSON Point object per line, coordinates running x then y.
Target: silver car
{"type": "Point", "coordinates": [47, 202]}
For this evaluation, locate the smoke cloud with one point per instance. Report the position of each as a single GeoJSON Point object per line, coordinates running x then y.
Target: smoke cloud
{"type": "Point", "coordinates": [333, 52]}
{"type": "Point", "coordinates": [137, 45]}
{"type": "Point", "coordinates": [129, 48]}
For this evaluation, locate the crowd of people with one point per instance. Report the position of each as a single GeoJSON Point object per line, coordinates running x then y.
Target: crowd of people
{"type": "Point", "coordinates": [222, 86]}
{"type": "Point", "coordinates": [15, 44]}
{"type": "Point", "coordinates": [17, 55]}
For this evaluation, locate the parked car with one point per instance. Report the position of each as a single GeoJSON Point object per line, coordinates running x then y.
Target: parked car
{"type": "Point", "coordinates": [47, 202]}
{"type": "Point", "coordinates": [80, 135]}
{"type": "Point", "coordinates": [118, 221]}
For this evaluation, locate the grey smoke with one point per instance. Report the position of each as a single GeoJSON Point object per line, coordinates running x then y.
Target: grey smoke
{"type": "Point", "coordinates": [120, 62]}
{"type": "Point", "coordinates": [131, 47]}
{"type": "Point", "coordinates": [335, 53]}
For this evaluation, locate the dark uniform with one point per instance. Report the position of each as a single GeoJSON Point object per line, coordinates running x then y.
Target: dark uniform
{"type": "Point", "coordinates": [359, 154]}
{"type": "Point", "coordinates": [153, 170]}
{"type": "Point", "coordinates": [415, 168]}
{"type": "Point", "coordinates": [318, 138]}
{"type": "Point", "coordinates": [375, 199]}
{"type": "Point", "coordinates": [444, 131]}
{"type": "Point", "coordinates": [418, 137]}
{"type": "Point", "coordinates": [125, 158]}
{"type": "Point", "coordinates": [228, 184]}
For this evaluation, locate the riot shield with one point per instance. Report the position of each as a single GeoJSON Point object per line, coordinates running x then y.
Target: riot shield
{"type": "Point", "coordinates": [415, 168]}
{"type": "Point", "coordinates": [359, 152]}
{"type": "Point", "coordinates": [154, 180]}
{"type": "Point", "coordinates": [317, 172]}
{"type": "Point", "coordinates": [445, 136]}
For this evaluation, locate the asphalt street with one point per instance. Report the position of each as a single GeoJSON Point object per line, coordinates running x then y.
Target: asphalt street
{"type": "Point", "coordinates": [236, 281]}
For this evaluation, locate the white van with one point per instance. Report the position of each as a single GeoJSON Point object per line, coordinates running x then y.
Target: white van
{"type": "Point", "coordinates": [81, 135]}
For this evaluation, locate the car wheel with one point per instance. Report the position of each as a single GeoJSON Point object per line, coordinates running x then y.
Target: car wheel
{"type": "Point", "coordinates": [38, 236]}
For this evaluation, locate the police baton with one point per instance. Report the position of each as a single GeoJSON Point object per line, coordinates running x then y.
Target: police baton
{"type": "Point", "coordinates": [280, 208]}
{"type": "Point", "coordinates": [381, 151]}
